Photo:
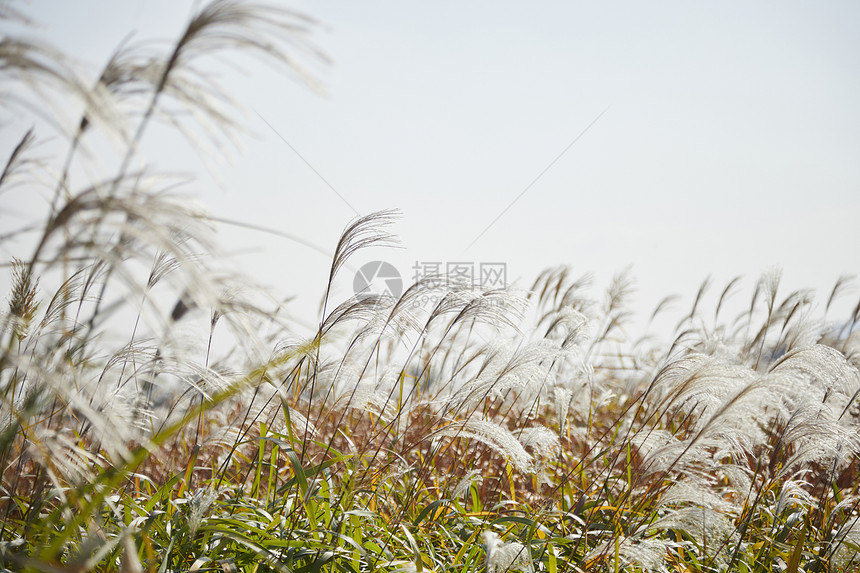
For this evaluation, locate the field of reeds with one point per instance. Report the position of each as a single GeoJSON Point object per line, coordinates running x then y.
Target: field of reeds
{"type": "Point", "coordinates": [160, 414]}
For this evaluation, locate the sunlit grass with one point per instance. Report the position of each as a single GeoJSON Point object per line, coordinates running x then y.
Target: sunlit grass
{"type": "Point", "coordinates": [450, 429]}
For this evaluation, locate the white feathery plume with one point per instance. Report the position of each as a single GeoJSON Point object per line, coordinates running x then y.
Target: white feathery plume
{"type": "Point", "coordinates": [847, 507]}
{"type": "Point", "coordinates": [739, 477]}
{"type": "Point", "coordinates": [368, 394]}
{"type": "Point", "coordinates": [699, 492]}
{"type": "Point", "coordinates": [840, 550]}
{"type": "Point", "coordinates": [544, 444]}
{"type": "Point", "coordinates": [701, 384]}
{"type": "Point", "coordinates": [299, 423]}
{"type": "Point", "coordinates": [562, 398]}
{"type": "Point", "coordinates": [569, 325]}
{"type": "Point", "coordinates": [649, 554]}
{"type": "Point", "coordinates": [818, 437]}
{"type": "Point", "coordinates": [463, 486]}
{"type": "Point", "coordinates": [708, 527]}
{"type": "Point", "coordinates": [793, 493]}
{"type": "Point", "coordinates": [500, 307]}
{"type": "Point", "coordinates": [586, 395]}
{"type": "Point", "coordinates": [851, 348]}
{"type": "Point", "coordinates": [805, 332]}
{"type": "Point", "coordinates": [542, 441]}
{"type": "Point", "coordinates": [818, 366]}
{"type": "Point", "coordinates": [503, 557]}
{"type": "Point", "coordinates": [200, 502]}
{"type": "Point", "coordinates": [493, 435]}
{"type": "Point", "coordinates": [658, 448]}
{"type": "Point", "coordinates": [504, 369]}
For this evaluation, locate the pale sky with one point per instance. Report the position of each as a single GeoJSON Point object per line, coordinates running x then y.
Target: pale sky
{"type": "Point", "coordinates": [730, 141]}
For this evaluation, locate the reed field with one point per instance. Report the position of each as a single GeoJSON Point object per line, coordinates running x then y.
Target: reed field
{"type": "Point", "coordinates": [160, 413]}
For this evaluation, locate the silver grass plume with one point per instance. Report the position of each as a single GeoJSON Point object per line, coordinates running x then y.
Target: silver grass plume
{"type": "Point", "coordinates": [635, 550]}
{"type": "Point", "coordinates": [503, 557]}
{"type": "Point", "coordinates": [20, 164]}
{"type": "Point", "coordinates": [821, 368]}
{"type": "Point", "coordinates": [842, 284]}
{"type": "Point", "coordinates": [841, 548]}
{"type": "Point", "coordinates": [710, 528]}
{"type": "Point", "coordinates": [22, 303]}
{"type": "Point", "coordinates": [562, 398]}
{"type": "Point", "coordinates": [40, 68]}
{"type": "Point", "coordinates": [520, 369]}
{"type": "Point", "coordinates": [116, 228]}
{"type": "Point", "coordinates": [199, 503]}
{"type": "Point", "coordinates": [697, 492]}
{"type": "Point", "coordinates": [368, 231]}
{"type": "Point", "coordinates": [851, 349]}
{"type": "Point", "coordinates": [793, 493]}
{"type": "Point", "coordinates": [465, 483]}
{"type": "Point", "coordinates": [272, 34]}
{"type": "Point", "coordinates": [497, 307]}
{"type": "Point", "coordinates": [568, 323]}
{"type": "Point", "coordinates": [815, 436]}
{"type": "Point", "coordinates": [493, 435]}
{"type": "Point", "coordinates": [544, 444]}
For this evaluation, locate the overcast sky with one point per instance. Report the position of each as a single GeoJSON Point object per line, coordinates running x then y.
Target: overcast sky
{"type": "Point", "coordinates": [724, 138]}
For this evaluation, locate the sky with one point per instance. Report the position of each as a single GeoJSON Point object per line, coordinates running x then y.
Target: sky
{"type": "Point", "coordinates": [676, 139]}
